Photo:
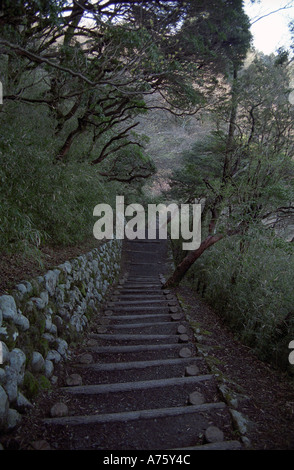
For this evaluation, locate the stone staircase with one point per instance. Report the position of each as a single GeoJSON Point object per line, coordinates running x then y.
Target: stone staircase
{"type": "Point", "coordinates": [143, 385]}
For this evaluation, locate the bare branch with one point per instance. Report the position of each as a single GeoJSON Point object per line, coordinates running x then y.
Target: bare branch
{"type": "Point", "coordinates": [126, 179]}
{"type": "Point", "coordinates": [286, 7]}
{"type": "Point", "coordinates": [123, 134]}
{"type": "Point", "coordinates": [40, 59]}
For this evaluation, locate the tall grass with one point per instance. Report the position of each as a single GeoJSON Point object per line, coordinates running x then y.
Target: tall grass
{"type": "Point", "coordinates": [42, 202]}
{"type": "Point", "coordinates": [252, 290]}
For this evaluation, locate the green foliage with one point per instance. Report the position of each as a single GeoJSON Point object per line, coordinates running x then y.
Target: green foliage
{"type": "Point", "coordinates": [71, 96]}
{"type": "Point", "coordinates": [9, 333]}
{"type": "Point", "coordinates": [246, 169]}
{"type": "Point", "coordinates": [249, 283]}
{"type": "Point", "coordinates": [241, 173]}
{"type": "Point", "coordinates": [42, 202]}
{"type": "Point", "coordinates": [216, 31]}
{"type": "Point", "coordinates": [204, 160]}
{"type": "Point", "coordinates": [32, 384]}
{"type": "Point", "coordinates": [261, 181]}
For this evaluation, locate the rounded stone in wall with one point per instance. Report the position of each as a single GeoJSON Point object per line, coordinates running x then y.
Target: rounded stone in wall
{"type": "Point", "coordinates": [37, 362]}
{"type": "Point", "coordinates": [17, 360]}
{"type": "Point", "coordinates": [4, 407]}
{"type": "Point", "coordinates": [8, 307]}
{"type": "Point", "coordinates": [48, 368]}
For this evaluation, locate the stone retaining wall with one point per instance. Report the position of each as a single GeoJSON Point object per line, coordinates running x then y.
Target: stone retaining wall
{"type": "Point", "coordinates": [41, 318]}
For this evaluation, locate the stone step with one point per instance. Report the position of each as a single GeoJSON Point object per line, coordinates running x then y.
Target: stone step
{"type": "Point", "coordinates": [122, 318]}
{"type": "Point", "coordinates": [146, 280]}
{"type": "Point", "coordinates": [127, 416]}
{"type": "Point", "coordinates": [134, 386]}
{"type": "Point", "coordinates": [125, 296]}
{"type": "Point", "coordinates": [142, 263]}
{"type": "Point", "coordinates": [137, 276]}
{"type": "Point", "coordinates": [126, 336]}
{"type": "Point", "coordinates": [136, 251]}
{"type": "Point", "coordinates": [154, 290]}
{"type": "Point", "coordinates": [132, 338]}
{"type": "Point", "coordinates": [140, 302]}
{"type": "Point", "coordinates": [136, 328]}
{"type": "Point", "coordinates": [151, 328]}
{"type": "Point", "coordinates": [140, 364]}
{"type": "Point", "coordinates": [142, 280]}
{"type": "Point", "coordinates": [142, 309]}
{"type": "Point", "coordinates": [148, 429]}
{"type": "Point", "coordinates": [141, 285]}
{"type": "Point", "coordinates": [114, 372]}
{"type": "Point", "coordinates": [135, 284]}
{"type": "Point", "coordinates": [131, 318]}
{"type": "Point", "coordinates": [170, 337]}
{"type": "Point", "coordinates": [141, 291]}
{"type": "Point", "coordinates": [150, 277]}
{"type": "Point", "coordinates": [156, 324]}
{"type": "Point", "coordinates": [158, 430]}
{"type": "Point", "coordinates": [133, 399]}
{"type": "Point", "coordinates": [138, 352]}
{"type": "Point", "coordinates": [137, 280]}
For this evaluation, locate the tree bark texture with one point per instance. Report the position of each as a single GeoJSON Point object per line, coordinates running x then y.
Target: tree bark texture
{"type": "Point", "coordinates": [190, 259]}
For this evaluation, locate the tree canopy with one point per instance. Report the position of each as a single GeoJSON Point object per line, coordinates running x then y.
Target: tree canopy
{"type": "Point", "coordinates": [98, 59]}
{"type": "Point", "coordinates": [244, 169]}
{"type": "Point", "coordinates": [76, 77]}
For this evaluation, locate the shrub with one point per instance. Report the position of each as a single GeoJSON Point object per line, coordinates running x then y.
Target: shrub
{"type": "Point", "coordinates": [252, 289]}
{"type": "Point", "coordinates": [40, 201]}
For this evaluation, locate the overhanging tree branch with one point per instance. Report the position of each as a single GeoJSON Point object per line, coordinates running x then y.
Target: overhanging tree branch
{"type": "Point", "coordinates": [121, 135]}
{"type": "Point", "coordinates": [42, 60]}
{"type": "Point", "coordinates": [285, 7]}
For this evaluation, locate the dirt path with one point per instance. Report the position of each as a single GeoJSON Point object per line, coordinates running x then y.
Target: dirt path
{"type": "Point", "coordinates": [265, 396]}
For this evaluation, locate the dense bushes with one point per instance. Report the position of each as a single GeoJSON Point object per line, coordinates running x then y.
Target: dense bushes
{"type": "Point", "coordinates": [41, 201]}
{"type": "Point", "coordinates": [252, 290]}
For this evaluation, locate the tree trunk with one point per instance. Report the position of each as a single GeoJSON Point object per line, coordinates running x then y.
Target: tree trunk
{"type": "Point", "coordinates": [190, 259]}
{"type": "Point", "coordinates": [232, 126]}
{"type": "Point", "coordinates": [69, 140]}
